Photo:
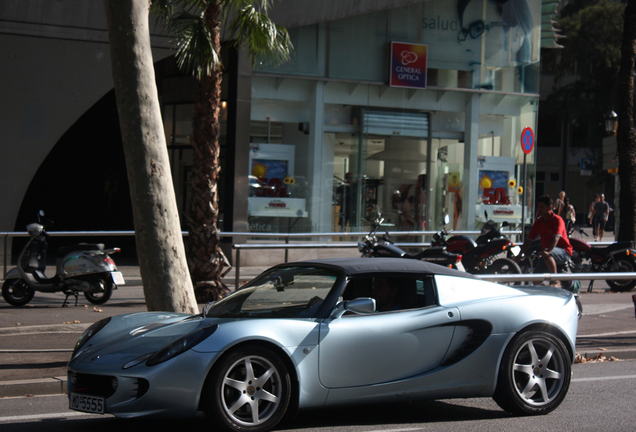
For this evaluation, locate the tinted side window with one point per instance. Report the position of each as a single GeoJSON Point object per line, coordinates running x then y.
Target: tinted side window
{"type": "Point", "coordinates": [408, 292]}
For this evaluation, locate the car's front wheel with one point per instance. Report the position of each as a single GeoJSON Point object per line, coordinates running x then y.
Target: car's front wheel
{"type": "Point", "coordinates": [249, 391]}
{"type": "Point", "coordinates": [535, 374]}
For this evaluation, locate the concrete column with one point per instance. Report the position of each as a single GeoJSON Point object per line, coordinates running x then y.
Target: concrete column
{"type": "Point", "coordinates": [320, 168]}
{"type": "Point", "coordinates": [471, 170]}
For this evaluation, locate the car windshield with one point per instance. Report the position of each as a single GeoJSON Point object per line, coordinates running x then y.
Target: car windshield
{"type": "Point", "coordinates": [292, 292]}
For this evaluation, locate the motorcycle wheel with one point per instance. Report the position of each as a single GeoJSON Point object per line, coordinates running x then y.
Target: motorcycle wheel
{"type": "Point", "coordinates": [621, 265]}
{"type": "Point", "coordinates": [504, 266]}
{"type": "Point", "coordinates": [16, 292]}
{"type": "Point", "coordinates": [101, 297]}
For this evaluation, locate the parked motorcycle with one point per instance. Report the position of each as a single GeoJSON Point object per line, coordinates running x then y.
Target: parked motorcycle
{"type": "Point", "coordinates": [617, 257]}
{"type": "Point", "coordinates": [372, 246]}
{"type": "Point", "coordinates": [85, 268]}
{"type": "Point", "coordinates": [486, 255]}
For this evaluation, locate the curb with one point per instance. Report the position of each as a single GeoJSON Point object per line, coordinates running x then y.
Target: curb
{"type": "Point", "coordinates": [35, 387]}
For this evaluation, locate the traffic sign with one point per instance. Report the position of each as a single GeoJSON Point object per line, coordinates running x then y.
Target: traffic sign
{"type": "Point", "coordinates": [527, 140]}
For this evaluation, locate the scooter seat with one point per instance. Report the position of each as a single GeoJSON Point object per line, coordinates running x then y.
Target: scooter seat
{"type": "Point", "coordinates": [79, 247]}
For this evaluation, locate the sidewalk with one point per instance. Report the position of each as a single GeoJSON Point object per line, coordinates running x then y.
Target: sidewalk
{"type": "Point", "coordinates": [36, 341]}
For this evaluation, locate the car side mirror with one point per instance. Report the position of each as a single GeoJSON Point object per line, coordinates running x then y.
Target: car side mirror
{"type": "Point", "coordinates": [362, 305]}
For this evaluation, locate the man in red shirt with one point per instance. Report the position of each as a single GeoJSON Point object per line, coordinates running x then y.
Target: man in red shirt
{"type": "Point", "coordinates": [554, 239]}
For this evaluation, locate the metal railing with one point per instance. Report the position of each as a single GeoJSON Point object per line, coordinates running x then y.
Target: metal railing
{"type": "Point", "coordinates": [286, 246]}
{"type": "Point", "coordinates": [541, 277]}
{"type": "Point", "coordinates": [286, 237]}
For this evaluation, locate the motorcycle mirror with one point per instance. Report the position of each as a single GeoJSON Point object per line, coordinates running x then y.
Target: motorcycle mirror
{"type": "Point", "coordinates": [486, 214]}
{"type": "Point", "coordinates": [504, 224]}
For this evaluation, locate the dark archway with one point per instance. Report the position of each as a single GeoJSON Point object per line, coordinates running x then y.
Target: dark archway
{"type": "Point", "coordinates": [82, 184]}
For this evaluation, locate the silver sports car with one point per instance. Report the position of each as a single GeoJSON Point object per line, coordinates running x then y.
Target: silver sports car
{"type": "Point", "coordinates": [331, 332]}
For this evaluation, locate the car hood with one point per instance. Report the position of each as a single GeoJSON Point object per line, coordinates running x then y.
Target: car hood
{"type": "Point", "coordinates": [129, 336]}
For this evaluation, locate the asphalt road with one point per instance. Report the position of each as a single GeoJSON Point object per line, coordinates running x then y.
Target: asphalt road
{"type": "Point", "coordinates": [601, 397]}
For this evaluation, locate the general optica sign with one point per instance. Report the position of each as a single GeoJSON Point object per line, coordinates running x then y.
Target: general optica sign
{"type": "Point", "coordinates": [408, 65]}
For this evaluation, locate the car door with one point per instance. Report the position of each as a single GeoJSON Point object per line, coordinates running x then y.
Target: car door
{"type": "Point", "coordinates": [362, 350]}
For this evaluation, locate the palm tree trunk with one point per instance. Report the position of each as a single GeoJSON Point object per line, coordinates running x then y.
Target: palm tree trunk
{"type": "Point", "coordinates": [206, 259]}
{"type": "Point", "coordinates": [626, 136]}
{"type": "Point", "coordinates": [160, 249]}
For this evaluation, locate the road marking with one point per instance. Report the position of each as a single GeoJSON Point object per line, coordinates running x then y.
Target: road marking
{"type": "Point", "coordinates": [42, 416]}
{"type": "Point", "coordinates": [597, 309]}
{"type": "Point", "coordinates": [396, 430]}
{"type": "Point", "coordinates": [605, 378]}
{"type": "Point", "coordinates": [606, 334]}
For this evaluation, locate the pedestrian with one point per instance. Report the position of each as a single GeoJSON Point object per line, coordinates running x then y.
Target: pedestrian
{"type": "Point", "coordinates": [558, 204]}
{"type": "Point", "coordinates": [348, 202]}
{"type": "Point", "coordinates": [568, 214]}
{"type": "Point", "coordinates": [600, 214]}
{"type": "Point", "coordinates": [554, 239]}
{"type": "Point", "coordinates": [591, 210]}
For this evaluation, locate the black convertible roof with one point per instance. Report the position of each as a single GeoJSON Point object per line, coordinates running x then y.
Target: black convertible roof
{"type": "Point", "coordinates": [368, 266]}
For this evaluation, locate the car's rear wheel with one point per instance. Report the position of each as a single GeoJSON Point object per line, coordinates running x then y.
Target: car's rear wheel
{"type": "Point", "coordinates": [535, 374]}
{"type": "Point", "coordinates": [249, 391]}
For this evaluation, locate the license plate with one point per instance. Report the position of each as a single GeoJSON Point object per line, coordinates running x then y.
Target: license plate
{"type": "Point", "coordinates": [118, 278]}
{"type": "Point", "coordinates": [90, 404]}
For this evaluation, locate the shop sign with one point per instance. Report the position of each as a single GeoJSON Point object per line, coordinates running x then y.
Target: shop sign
{"type": "Point", "coordinates": [408, 65]}
{"type": "Point", "coordinates": [499, 213]}
{"type": "Point", "coordinates": [277, 207]}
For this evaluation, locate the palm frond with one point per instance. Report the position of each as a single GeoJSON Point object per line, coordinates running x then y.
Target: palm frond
{"type": "Point", "coordinates": [163, 10]}
{"type": "Point", "coordinates": [196, 52]}
{"type": "Point", "coordinates": [263, 39]}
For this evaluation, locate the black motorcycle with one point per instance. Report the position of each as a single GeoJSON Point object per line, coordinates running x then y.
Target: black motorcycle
{"type": "Point", "coordinates": [374, 246]}
{"type": "Point", "coordinates": [618, 257]}
{"type": "Point", "coordinates": [486, 255]}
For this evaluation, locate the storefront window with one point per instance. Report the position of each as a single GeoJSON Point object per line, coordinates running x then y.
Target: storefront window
{"type": "Point", "coordinates": [330, 153]}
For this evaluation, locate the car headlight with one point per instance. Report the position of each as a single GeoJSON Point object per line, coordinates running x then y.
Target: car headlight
{"type": "Point", "coordinates": [181, 345]}
{"type": "Point", "coordinates": [89, 333]}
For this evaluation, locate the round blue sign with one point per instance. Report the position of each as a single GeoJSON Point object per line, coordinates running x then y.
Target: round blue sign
{"type": "Point", "coordinates": [527, 140]}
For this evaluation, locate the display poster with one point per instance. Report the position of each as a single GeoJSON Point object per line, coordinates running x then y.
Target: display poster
{"type": "Point", "coordinates": [455, 30]}
{"type": "Point", "coordinates": [272, 182]}
{"type": "Point", "coordinates": [497, 199]}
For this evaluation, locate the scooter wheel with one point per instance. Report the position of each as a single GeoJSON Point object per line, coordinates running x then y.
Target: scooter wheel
{"type": "Point", "coordinates": [99, 298]}
{"type": "Point", "coordinates": [16, 292]}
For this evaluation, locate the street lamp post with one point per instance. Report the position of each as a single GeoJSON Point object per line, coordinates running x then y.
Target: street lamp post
{"type": "Point", "coordinates": [611, 122]}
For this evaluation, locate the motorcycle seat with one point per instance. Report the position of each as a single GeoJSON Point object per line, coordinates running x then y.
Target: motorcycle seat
{"type": "Point", "coordinates": [79, 247]}
{"type": "Point", "coordinates": [432, 252]}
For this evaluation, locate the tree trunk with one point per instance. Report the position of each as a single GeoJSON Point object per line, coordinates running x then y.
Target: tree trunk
{"type": "Point", "coordinates": [160, 250]}
{"type": "Point", "coordinates": [206, 259]}
{"type": "Point", "coordinates": [626, 136]}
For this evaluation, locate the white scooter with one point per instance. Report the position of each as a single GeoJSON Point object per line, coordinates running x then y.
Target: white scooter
{"type": "Point", "coordinates": [85, 268]}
